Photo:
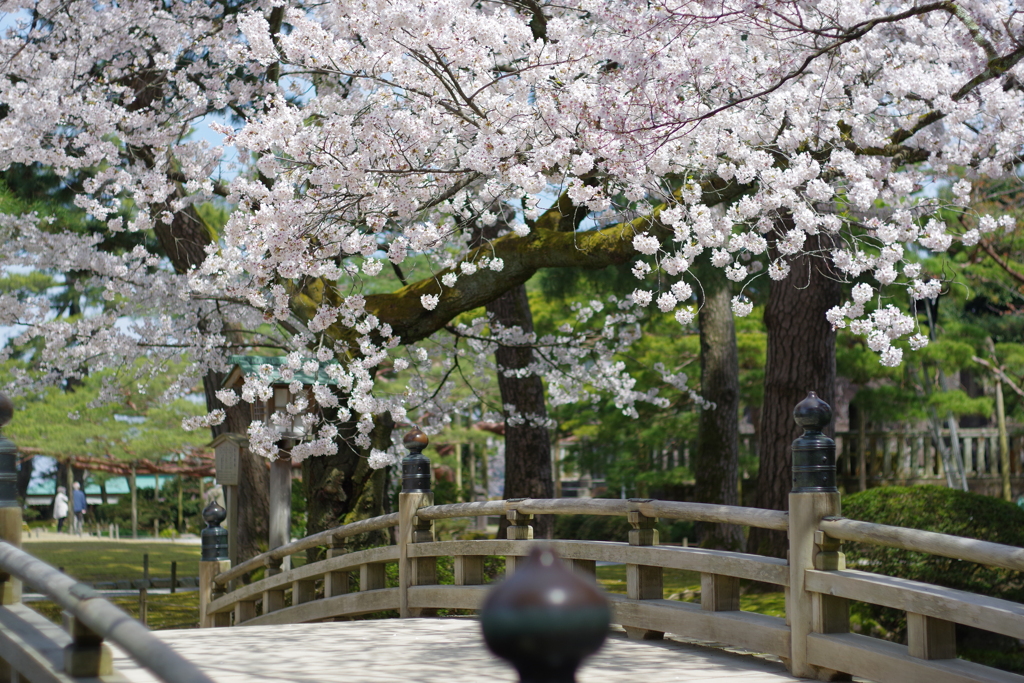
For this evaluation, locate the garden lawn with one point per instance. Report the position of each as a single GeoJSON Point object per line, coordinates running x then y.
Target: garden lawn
{"type": "Point", "coordinates": [115, 561]}
{"type": "Point", "coordinates": [180, 610]}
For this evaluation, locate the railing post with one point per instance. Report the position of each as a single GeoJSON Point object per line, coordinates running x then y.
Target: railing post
{"type": "Point", "coordinates": [336, 583]}
{"type": "Point", "coordinates": [813, 497]}
{"type": "Point", "coordinates": [519, 529]}
{"type": "Point", "coordinates": [930, 638]}
{"type": "Point", "coordinates": [469, 570]}
{"type": "Point", "coordinates": [87, 656]}
{"type": "Point", "coordinates": [10, 511]}
{"type": "Point", "coordinates": [213, 561]}
{"type": "Point", "coordinates": [643, 582]}
{"type": "Point", "coordinates": [415, 494]}
{"type": "Point", "coordinates": [10, 517]}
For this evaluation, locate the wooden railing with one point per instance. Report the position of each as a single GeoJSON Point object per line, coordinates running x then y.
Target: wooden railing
{"type": "Point", "coordinates": [39, 651]}
{"type": "Point", "coordinates": [911, 457]}
{"type": "Point", "coordinates": [813, 639]}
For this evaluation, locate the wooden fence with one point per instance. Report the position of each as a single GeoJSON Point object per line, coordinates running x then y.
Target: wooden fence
{"type": "Point", "coordinates": [897, 458]}
{"type": "Point", "coordinates": [905, 458]}
{"type": "Point", "coordinates": [814, 638]}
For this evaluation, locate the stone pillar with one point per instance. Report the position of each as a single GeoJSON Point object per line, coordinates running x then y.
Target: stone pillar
{"type": "Point", "coordinates": [280, 522]}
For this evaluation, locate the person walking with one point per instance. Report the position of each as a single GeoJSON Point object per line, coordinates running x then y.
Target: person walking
{"type": "Point", "coordinates": [80, 506]}
{"type": "Point", "coordinates": [60, 507]}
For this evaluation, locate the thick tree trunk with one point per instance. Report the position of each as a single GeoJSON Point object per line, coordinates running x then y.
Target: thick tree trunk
{"type": "Point", "coordinates": [25, 468]}
{"type": "Point", "coordinates": [527, 438]}
{"type": "Point", "coordinates": [343, 488]}
{"type": "Point", "coordinates": [133, 486]}
{"type": "Point", "coordinates": [801, 358]}
{"type": "Point", "coordinates": [716, 459]}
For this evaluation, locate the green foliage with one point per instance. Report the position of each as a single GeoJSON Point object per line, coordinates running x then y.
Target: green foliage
{"type": "Point", "coordinates": [137, 426]}
{"type": "Point", "coordinates": [614, 528]}
{"type": "Point", "coordinates": [949, 355]}
{"type": "Point", "coordinates": [883, 402]}
{"type": "Point", "coordinates": [942, 510]}
{"type": "Point", "coordinates": [959, 403]}
{"type": "Point", "coordinates": [152, 509]}
{"type": "Point", "coordinates": [163, 612]}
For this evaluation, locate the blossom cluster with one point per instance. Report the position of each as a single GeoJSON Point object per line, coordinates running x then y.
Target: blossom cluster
{"type": "Point", "coordinates": [384, 136]}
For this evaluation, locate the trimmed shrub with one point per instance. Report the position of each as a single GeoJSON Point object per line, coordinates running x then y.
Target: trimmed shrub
{"type": "Point", "coordinates": [942, 510]}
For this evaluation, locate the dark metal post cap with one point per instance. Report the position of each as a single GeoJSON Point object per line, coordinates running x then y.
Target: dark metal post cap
{"type": "Point", "coordinates": [8, 458]}
{"type": "Point", "coordinates": [545, 620]}
{"type": "Point", "coordinates": [214, 539]}
{"type": "Point", "coordinates": [415, 466]}
{"type": "Point", "coordinates": [415, 440]}
{"type": "Point", "coordinates": [214, 514]}
{"type": "Point", "coordinates": [812, 413]}
{"type": "Point", "coordinates": [814, 454]}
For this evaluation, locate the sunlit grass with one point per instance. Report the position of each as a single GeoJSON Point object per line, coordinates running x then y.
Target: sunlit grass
{"type": "Point", "coordinates": [114, 561]}
{"type": "Point", "coordinates": [180, 610]}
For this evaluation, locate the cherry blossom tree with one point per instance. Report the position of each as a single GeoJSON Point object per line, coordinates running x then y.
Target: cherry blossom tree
{"type": "Point", "coordinates": [796, 140]}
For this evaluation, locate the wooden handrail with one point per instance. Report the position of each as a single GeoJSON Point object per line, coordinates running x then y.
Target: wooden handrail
{"type": "Point", "coordinates": [945, 545]}
{"type": "Point", "coordinates": [323, 538]}
{"type": "Point", "coordinates": [478, 509]}
{"type": "Point", "coordinates": [697, 512]}
{"type": "Point", "coordinates": [102, 617]}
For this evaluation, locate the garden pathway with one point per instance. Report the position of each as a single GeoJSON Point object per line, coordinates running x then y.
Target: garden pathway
{"type": "Point", "coordinates": [436, 650]}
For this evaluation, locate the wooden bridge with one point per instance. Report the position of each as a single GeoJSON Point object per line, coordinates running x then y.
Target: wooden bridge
{"type": "Point", "coordinates": [284, 626]}
{"type": "Point", "coordinates": [814, 640]}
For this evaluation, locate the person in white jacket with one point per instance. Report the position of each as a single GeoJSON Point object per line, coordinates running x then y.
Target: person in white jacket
{"type": "Point", "coordinates": [60, 507]}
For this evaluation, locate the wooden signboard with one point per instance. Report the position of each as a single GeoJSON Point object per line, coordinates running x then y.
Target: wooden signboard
{"type": "Point", "coordinates": [226, 461]}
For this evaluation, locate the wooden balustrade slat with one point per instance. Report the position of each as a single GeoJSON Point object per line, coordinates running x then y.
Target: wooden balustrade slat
{"type": "Point", "coordinates": [741, 565]}
{"type": "Point", "coordinates": [100, 616]}
{"type": "Point", "coordinates": [350, 604]}
{"type": "Point", "coordinates": [324, 538]}
{"type": "Point", "coordinates": [33, 645]}
{"type": "Point", "coordinates": [312, 571]}
{"type": "Point", "coordinates": [478, 509]}
{"type": "Point", "coordinates": [982, 552]}
{"type": "Point", "coordinates": [970, 609]}
{"type": "Point", "coordinates": [885, 662]}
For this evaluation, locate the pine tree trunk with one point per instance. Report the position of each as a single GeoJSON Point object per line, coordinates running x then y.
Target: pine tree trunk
{"type": "Point", "coordinates": [527, 441]}
{"type": "Point", "coordinates": [25, 476]}
{"type": "Point", "coordinates": [133, 485]}
{"type": "Point", "coordinates": [801, 358]}
{"type": "Point", "coordinates": [716, 459]}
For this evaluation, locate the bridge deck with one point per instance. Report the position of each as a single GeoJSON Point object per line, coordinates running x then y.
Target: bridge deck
{"type": "Point", "coordinates": [437, 650]}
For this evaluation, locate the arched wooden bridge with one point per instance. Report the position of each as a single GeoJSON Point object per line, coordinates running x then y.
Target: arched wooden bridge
{"type": "Point", "coordinates": [283, 634]}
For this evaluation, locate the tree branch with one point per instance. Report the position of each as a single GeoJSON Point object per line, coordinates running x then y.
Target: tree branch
{"type": "Point", "coordinates": [1003, 263]}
